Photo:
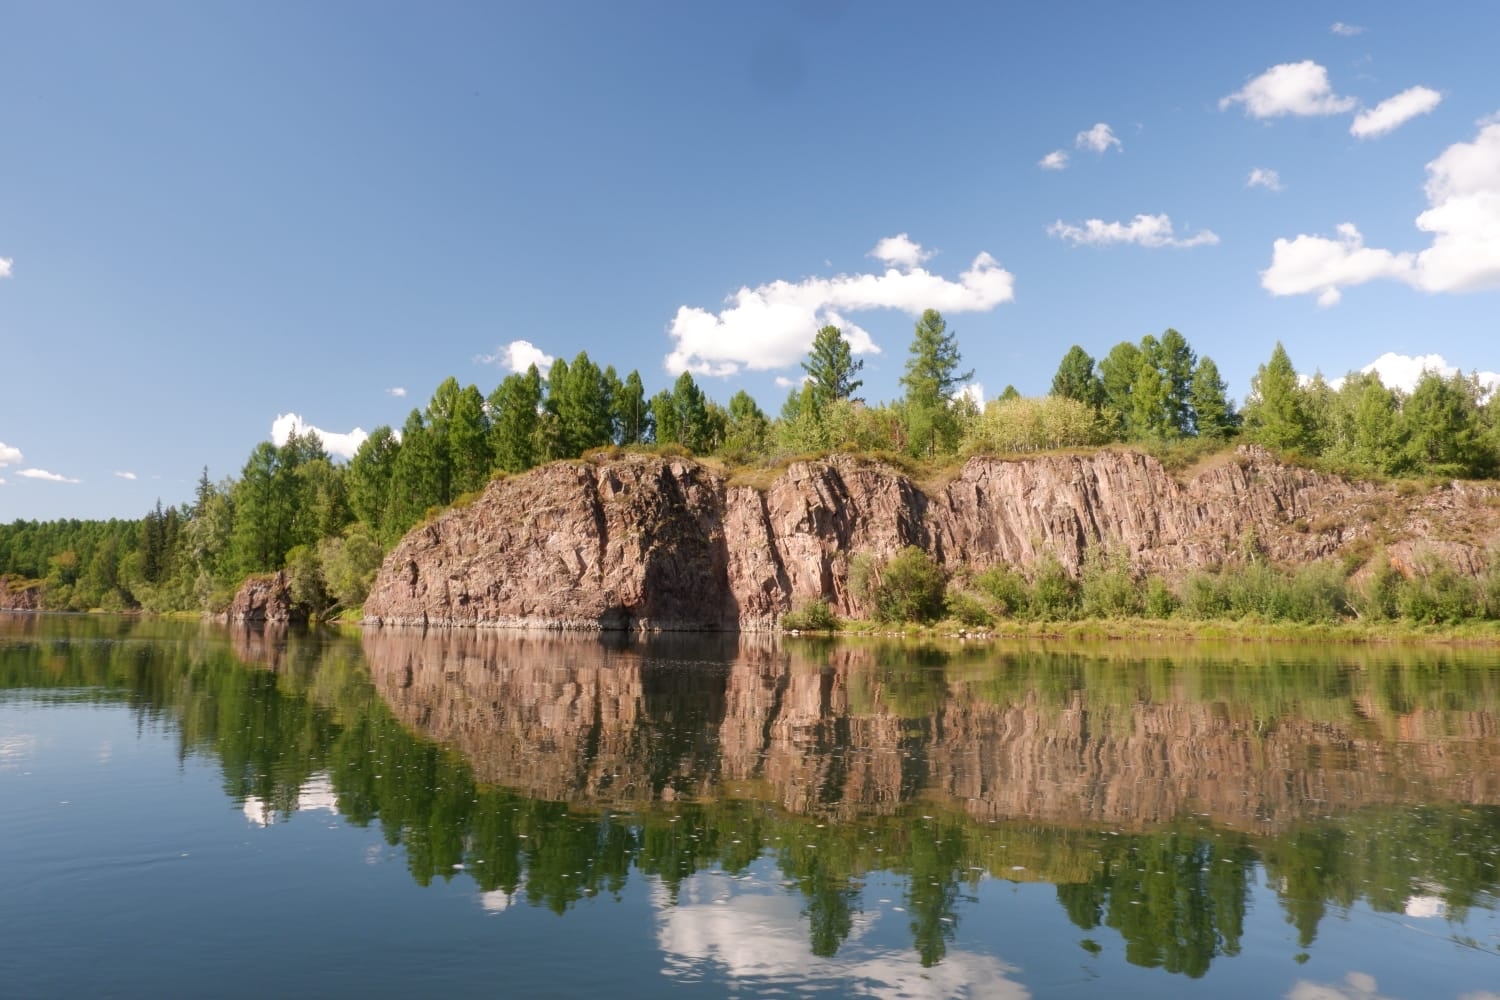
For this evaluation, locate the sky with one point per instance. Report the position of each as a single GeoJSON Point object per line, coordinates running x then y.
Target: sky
{"type": "Point", "coordinates": [221, 221]}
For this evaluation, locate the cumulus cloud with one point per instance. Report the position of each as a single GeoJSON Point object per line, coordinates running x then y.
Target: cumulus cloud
{"type": "Point", "coordinates": [1463, 194]}
{"type": "Point", "coordinates": [900, 251]}
{"type": "Point", "coordinates": [973, 392]}
{"type": "Point", "coordinates": [126, 475]}
{"type": "Point", "coordinates": [786, 383]}
{"type": "Point", "coordinates": [1055, 160]}
{"type": "Point", "coordinates": [1401, 371]}
{"type": "Point", "coordinates": [335, 443]}
{"type": "Point", "coordinates": [519, 355]}
{"type": "Point", "coordinates": [1289, 89]}
{"type": "Point", "coordinates": [6, 263]}
{"type": "Point", "coordinates": [1346, 30]}
{"type": "Point", "coordinates": [1262, 178]}
{"type": "Point", "coordinates": [396, 390]}
{"type": "Point", "coordinates": [1143, 230]}
{"type": "Point", "coordinates": [8, 455]}
{"type": "Point", "coordinates": [1392, 113]}
{"type": "Point", "coordinates": [773, 325]}
{"type": "Point", "coordinates": [1099, 138]}
{"type": "Point", "coordinates": [43, 474]}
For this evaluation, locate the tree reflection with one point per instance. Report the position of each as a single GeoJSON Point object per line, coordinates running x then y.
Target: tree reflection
{"type": "Point", "coordinates": [841, 760]}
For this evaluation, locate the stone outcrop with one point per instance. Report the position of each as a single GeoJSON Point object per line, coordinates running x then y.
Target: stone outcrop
{"type": "Point", "coordinates": [265, 598]}
{"type": "Point", "coordinates": [17, 594]}
{"type": "Point", "coordinates": [642, 542]}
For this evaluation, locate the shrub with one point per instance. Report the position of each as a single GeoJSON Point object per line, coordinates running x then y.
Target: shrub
{"type": "Point", "coordinates": [1005, 589]}
{"type": "Point", "coordinates": [908, 588]}
{"type": "Point", "coordinates": [1159, 601]}
{"type": "Point", "coordinates": [814, 616]}
{"type": "Point", "coordinates": [968, 610]}
{"type": "Point", "coordinates": [1054, 594]}
{"type": "Point", "coordinates": [1441, 596]}
{"type": "Point", "coordinates": [1107, 587]}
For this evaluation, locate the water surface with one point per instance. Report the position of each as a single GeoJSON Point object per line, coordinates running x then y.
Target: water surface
{"type": "Point", "coordinates": [192, 810]}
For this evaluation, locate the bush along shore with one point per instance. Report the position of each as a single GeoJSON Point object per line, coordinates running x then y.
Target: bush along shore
{"type": "Point", "coordinates": [910, 594]}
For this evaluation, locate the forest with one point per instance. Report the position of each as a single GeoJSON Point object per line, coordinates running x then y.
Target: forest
{"type": "Point", "coordinates": [328, 523]}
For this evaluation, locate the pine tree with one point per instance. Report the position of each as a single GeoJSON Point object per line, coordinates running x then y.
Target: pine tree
{"type": "Point", "coordinates": [831, 367]}
{"type": "Point", "coordinates": [513, 420]}
{"type": "Point", "coordinates": [1076, 378]}
{"type": "Point", "coordinates": [1213, 411]}
{"type": "Point", "coordinates": [1274, 414]}
{"type": "Point", "coordinates": [931, 377]}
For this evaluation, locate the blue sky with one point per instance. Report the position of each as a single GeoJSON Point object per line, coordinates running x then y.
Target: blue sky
{"type": "Point", "coordinates": [213, 215]}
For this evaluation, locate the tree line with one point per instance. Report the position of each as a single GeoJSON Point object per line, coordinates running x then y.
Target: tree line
{"type": "Point", "coordinates": [328, 522]}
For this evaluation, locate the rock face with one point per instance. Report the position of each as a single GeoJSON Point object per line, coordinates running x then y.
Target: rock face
{"type": "Point", "coordinates": [266, 598]}
{"type": "Point", "coordinates": [17, 594]}
{"type": "Point", "coordinates": [650, 543]}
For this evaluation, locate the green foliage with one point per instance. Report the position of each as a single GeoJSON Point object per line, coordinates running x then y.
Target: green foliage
{"type": "Point", "coordinates": [1312, 594]}
{"type": "Point", "coordinates": [814, 616]}
{"type": "Point", "coordinates": [1077, 380]}
{"type": "Point", "coordinates": [1054, 592]}
{"type": "Point", "coordinates": [930, 380]}
{"type": "Point", "coordinates": [1039, 423]}
{"type": "Point", "coordinates": [1275, 415]}
{"type": "Point", "coordinates": [908, 587]}
{"type": "Point", "coordinates": [968, 610]}
{"type": "Point", "coordinates": [1214, 415]}
{"type": "Point", "coordinates": [1007, 591]}
{"type": "Point", "coordinates": [831, 368]}
{"type": "Point", "coordinates": [1107, 586]}
{"type": "Point", "coordinates": [349, 564]}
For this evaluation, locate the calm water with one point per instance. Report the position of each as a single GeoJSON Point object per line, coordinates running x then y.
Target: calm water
{"type": "Point", "coordinates": [193, 811]}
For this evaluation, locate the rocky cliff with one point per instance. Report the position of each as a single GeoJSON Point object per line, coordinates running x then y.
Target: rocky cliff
{"type": "Point", "coordinates": [642, 542]}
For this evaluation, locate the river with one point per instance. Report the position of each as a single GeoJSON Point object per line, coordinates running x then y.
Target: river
{"type": "Point", "coordinates": [194, 810]}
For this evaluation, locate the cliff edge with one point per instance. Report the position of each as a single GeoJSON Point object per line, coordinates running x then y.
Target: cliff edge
{"type": "Point", "coordinates": [645, 542]}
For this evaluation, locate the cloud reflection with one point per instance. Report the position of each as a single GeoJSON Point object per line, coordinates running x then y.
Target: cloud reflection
{"type": "Point", "coordinates": [751, 930]}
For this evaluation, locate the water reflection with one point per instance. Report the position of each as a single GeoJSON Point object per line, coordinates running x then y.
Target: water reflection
{"type": "Point", "coordinates": [828, 793]}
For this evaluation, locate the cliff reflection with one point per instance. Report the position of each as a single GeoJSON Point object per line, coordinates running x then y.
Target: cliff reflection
{"type": "Point", "coordinates": [1046, 735]}
{"type": "Point", "coordinates": [1154, 788]}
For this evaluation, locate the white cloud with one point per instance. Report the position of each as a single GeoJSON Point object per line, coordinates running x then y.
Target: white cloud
{"type": "Point", "coordinates": [6, 264]}
{"type": "Point", "coordinates": [126, 475]}
{"type": "Point", "coordinates": [773, 325]}
{"type": "Point", "coordinates": [398, 391]}
{"type": "Point", "coordinates": [1310, 264]}
{"type": "Point", "coordinates": [519, 355]}
{"type": "Point", "coordinates": [900, 251]}
{"type": "Point", "coordinates": [1263, 178]}
{"type": "Point", "coordinates": [1099, 138]}
{"type": "Point", "coordinates": [1145, 230]}
{"type": "Point", "coordinates": [1463, 192]}
{"type": "Point", "coordinates": [1392, 113]}
{"type": "Point", "coordinates": [1346, 30]}
{"type": "Point", "coordinates": [335, 443]}
{"type": "Point", "coordinates": [973, 391]}
{"type": "Point", "coordinates": [786, 383]}
{"type": "Point", "coordinates": [51, 477]}
{"type": "Point", "coordinates": [1055, 160]}
{"type": "Point", "coordinates": [1289, 89]}
{"type": "Point", "coordinates": [2, 481]}
{"type": "Point", "coordinates": [9, 455]}
{"type": "Point", "coordinates": [1401, 371]}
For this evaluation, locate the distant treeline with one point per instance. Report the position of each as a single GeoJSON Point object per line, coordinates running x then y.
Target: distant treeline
{"type": "Point", "coordinates": [328, 522]}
